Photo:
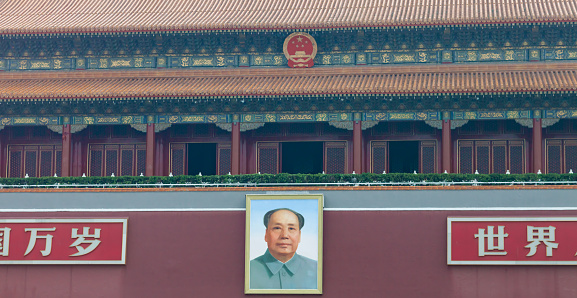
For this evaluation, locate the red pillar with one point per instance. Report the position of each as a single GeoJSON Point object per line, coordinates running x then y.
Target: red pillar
{"type": "Point", "coordinates": [357, 147]}
{"type": "Point", "coordinates": [536, 146]}
{"type": "Point", "coordinates": [3, 155]}
{"type": "Point", "coordinates": [446, 147]}
{"type": "Point", "coordinates": [66, 146]}
{"type": "Point", "coordinates": [150, 146]}
{"type": "Point", "coordinates": [235, 150]}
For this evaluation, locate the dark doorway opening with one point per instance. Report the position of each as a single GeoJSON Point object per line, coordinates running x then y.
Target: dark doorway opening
{"type": "Point", "coordinates": [302, 157]}
{"type": "Point", "coordinates": [403, 157]}
{"type": "Point", "coordinates": [201, 158]}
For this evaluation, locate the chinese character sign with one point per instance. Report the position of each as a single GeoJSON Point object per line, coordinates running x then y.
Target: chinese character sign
{"type": "Point", "coordinates": [63, 241]}
{"type": "Point", "coordinates": [512, 241]}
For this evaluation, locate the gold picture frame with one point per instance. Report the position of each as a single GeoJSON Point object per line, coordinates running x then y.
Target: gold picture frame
{"type": "Point", "coordinates": [284, 244]}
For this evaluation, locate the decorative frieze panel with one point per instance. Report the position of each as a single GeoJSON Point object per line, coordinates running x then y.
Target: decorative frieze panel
{"type": "Point", "coordinates": [38, 64]}
{"type": "Point", "coordinates": [158, 127]}
{"type": "Point", "coordinates": [458, 123]}
{"type": "Point", "coordinates": [279, 60]}
{"type": "Point", "coordinates": [193, 119]}
{"type": "Point", "coordinates": [109, 120]}
{"type": "Point", "coordinates": [368, 124]}
{"type": "Point", "coordinates": [561, 114]}
{"type": "Point", "coordinates": [525, 122]}
{"type": "Point", "coordinates": [301, 117]}
{"type": "Point", "coordinates": [202, 61]}
{"type": "Point", "coordinates": [139, 127]}
{"type": "Point", "coordinates": [112, 63]}
{"type": "Point", "coordinates": [482, 115]}
{"type": "Point", "coordinates": [404, 57]}
{"type": "Point", "coordinates": [30, 120]}
{"type": "Point", "coordinates": [403, 116]}
{"type": "Point", "coordinates": [243, 126]}
{"type": "Point", "coordinates": [338, 59]}
{"type": "Point", "coordinates": [438, 124]}
{"type": "Point", "coordinates": [268, 60]}
{"type": "Point", "coordinates": [250, 126]}
{"type": "Point", "coordinates": [548, 122]}
{"type": "Point", "coordinates": [348, 125]}
{"type": "Point", "coordinates": [73, 128]}
{"type": "Point", "coordinates": [559, 54]}
{"type": "Point", "coordinates": [490, 56]}
{"type": "Point", "coordinates": [337, 119]}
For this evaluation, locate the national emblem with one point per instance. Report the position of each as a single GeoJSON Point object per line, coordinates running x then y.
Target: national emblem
{"type": "Point", "coordinates": [300, 49]}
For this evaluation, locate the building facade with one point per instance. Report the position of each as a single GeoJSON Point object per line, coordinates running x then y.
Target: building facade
{"type": "Point", "coordinates": [456, 88]}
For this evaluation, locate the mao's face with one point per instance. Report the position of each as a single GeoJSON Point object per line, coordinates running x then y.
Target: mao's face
{"type": "Point", "coordinates": [283, 235]}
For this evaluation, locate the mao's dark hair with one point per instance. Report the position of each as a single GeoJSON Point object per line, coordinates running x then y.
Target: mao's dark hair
{"type": "Point", "coordinates": [270, 213]}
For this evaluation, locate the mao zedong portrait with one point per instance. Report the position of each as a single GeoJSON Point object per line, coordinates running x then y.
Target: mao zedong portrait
{"type": "Point", "coordinates": [280, 267]}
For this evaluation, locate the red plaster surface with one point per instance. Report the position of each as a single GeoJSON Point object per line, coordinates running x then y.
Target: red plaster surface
{"type": "Point", "coordinates": [366, 254]}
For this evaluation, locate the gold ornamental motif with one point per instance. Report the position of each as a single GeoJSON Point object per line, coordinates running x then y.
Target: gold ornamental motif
{"type": "Point", "coordinates": [513, 115]}
{"type": "Point", "coordinates": [120, 63]}
{"type": "Point", "coordinates": [488, 56]}
{"type": "Point", "coordinates": [401, 116]}
{"type": "Point", "coordinates": [562, 114]}
{"type": "Point", "coordinates": [24, 121]}
{"type": "Point", "coordinates": [296, 117]}
{"type": "Point", "coordinates": [40, 64]}
{"type": "Point", "coordinates": [386, 58]}
{"type": "Point", "coordinates": [421, 116]}
{"type": "Point", "coordinates": [491, 115]}
{"type": "Point", "coordinates": [57, 64]}
{"type": "Point", "coordinates": [127, 120]}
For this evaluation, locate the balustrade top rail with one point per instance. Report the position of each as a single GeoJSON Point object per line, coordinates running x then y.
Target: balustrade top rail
{"type": "Point", "coordinates": [264, 185]}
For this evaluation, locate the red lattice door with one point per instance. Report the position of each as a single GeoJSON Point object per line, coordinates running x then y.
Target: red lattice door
{"type": "Point", "coordinates": [428, 157]}
{"type": "Point", "coordinates": [34, 160]}
{"type": "Point", "coordinates": [554, 153]}
{"type": "Point", "coordinates": [122, 160]}
{"type": "Point", "coordinates": [466, 157]}
{"type": "Point", "coordinates": [268, 158]}
{"type": "Point", "coordinates": [379, 157]}
{"type": "Point", "coordinates": [517, 157]}
{"type": "Point", "coordinates": [224, 159]}
{"type": "Point", "coordinates": [570, 155]}
{"type": "Point", "coordinates": [335, 157]}
{"type": "Point", "coordinates": [178, 159]}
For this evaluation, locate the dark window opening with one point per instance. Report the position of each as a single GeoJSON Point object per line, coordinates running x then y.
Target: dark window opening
{"type": "Point", "coordinates": [403, 157]}
{"type": "Point", "coordinates": [201, 158]}
{"type": "Point", "coordinates": [302, 157]}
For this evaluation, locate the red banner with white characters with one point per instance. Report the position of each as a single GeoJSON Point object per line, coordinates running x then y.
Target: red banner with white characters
{"type": "Point", "coordinates": [512, 241]}
{"type": "Point", "coordinates": [63, 241]}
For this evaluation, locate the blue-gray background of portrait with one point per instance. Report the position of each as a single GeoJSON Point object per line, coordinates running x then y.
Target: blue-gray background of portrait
{"type": "Point", "coordinates": [308, 246]}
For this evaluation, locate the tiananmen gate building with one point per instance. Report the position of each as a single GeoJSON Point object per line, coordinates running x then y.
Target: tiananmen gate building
{"type": "Point", "coordinates": [167, 88]}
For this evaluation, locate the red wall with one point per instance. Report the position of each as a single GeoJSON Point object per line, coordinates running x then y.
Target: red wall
{"type": "Point", "coordinates": [366, 254]}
